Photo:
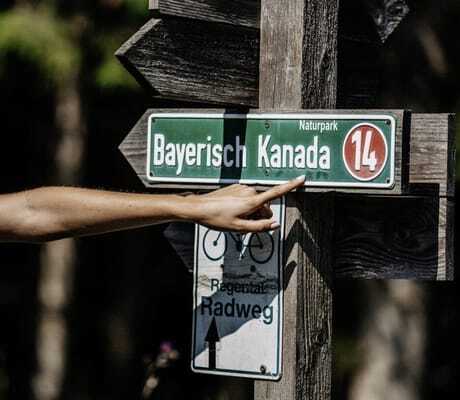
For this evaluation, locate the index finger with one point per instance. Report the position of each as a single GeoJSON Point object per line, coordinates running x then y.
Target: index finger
{"type": "Point", "coordinates": [281, 190]}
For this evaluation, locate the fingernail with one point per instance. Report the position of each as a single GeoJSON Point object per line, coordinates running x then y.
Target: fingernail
{"type": "Point", "coordinates": [301, 178]}
{"type": "Point", "coordinates": [275, 225]}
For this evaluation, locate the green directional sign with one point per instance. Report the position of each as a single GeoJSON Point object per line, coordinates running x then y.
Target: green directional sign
{"type": "Point", "coordinates": [343, 150]}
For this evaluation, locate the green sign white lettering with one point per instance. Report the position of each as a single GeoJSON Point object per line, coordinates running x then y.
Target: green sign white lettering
{"type": "Point", "coordinates": [344, 150]}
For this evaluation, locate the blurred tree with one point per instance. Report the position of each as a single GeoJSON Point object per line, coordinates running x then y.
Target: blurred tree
{"type": "Point", "coordinates": [35, 35]}
{"type": "Point", "coordinates": [393, 345]}
{"type": "Point", "coordinates": [53, 37]}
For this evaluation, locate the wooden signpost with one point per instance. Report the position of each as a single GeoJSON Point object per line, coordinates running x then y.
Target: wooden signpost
{"type": "Point", "coordinates": [285, 57]}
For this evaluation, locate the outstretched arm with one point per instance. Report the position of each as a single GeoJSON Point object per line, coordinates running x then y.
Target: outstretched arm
{"type": "Point", "coordinates": [52, 213]}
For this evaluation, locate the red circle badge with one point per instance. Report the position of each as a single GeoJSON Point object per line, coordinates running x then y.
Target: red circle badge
{"type": "Point", "coordinates": [365, 152]}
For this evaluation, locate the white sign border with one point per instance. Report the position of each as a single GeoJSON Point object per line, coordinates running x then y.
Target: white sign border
{"type": "Point", "coordinates": [258, 376]}
{"type": "Point", "coordinates": [296, 116]}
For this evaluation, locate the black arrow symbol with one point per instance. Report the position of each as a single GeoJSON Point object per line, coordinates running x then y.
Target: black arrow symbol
{"type": "Point", "coordinates": [212, 337]}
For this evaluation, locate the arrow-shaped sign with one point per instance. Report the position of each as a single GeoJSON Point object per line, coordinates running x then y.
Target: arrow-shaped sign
{"type": "Point", "coordinates": [211, 54]}
{"type": "Point", "coordinates": [212, 337]}
{"type": "Point", "coordinates": [386, 14]}
{"type": "Point", "coordinates": [195, 61]}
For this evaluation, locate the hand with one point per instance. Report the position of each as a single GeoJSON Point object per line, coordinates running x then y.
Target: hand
{"type": "Point", "coordinates": [241, 208]}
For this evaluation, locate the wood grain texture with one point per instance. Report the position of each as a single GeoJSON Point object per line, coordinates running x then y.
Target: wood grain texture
{"type": "Point", "coordinates": [432, 154]}
{"type": "Point", "coordinates": [394, 238]}
{"type": "Point", "coordinates": [359, 40]}
{"type": "Point", "coordinates": [236, 12]}
{"type": "Point", "coordinates": [195, 61]}
{"type": "Point", "coordinates": [377, 238]}
{"type": "Point", "coordinates": [314, 239]}
{"type": "Point", "coordinates": [319, 56]}
{"type": "Point", "coordinates": [281, 55]}
{"type": "Point", "coordinates": [280, 88]}
{"type": "Point", "coordinates": [384, 15]}
{"type": "Point", "coordinates": [448, 245]}
{"type": "Point", "coordinates": [281, 42]}
{"type": "Point", "coordinates": [298, 69]}
{"type": "Point", "coordinates": [315, 272]}
{"type": "Point", "coordinates": [286, 388]}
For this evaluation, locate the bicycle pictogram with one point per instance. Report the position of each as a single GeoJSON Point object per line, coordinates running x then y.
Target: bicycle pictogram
{"type": "Point", "coordinates": [260, 246]}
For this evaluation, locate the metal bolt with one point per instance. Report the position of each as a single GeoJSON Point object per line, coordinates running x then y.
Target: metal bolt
{"type": "Point", "coordinates": [263, 369]}
{"type": "Point", "coordinates": [267, 125]}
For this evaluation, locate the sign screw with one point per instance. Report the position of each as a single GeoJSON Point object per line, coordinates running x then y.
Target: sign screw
{"type": "Point", "coordinates": [263, 369]}
{"type": "Point", "coordinates": [267, 125]}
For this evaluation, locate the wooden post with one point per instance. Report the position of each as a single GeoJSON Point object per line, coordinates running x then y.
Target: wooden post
{"type": "Point", "coordinates": [298, 69]}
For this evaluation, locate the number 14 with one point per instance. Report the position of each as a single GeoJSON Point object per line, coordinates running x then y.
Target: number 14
{"type": "Point", "coordinates": [367, 158]}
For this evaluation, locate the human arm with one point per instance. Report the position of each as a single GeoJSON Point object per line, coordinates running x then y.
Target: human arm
{"type": "Point", "coordinates": [53, 213]}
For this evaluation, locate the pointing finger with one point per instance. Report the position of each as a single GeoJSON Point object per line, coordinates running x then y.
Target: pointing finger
{"type": "Point", "coordinates": [261, 225]}
{"type": "Point", "coordinates": [281, 190]}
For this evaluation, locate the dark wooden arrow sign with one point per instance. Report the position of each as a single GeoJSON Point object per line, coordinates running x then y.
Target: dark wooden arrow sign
{"type": "Point", "coordinates": [199, 61]}
{"type": "Point", "coordinates": [212, 55]}
{"type": "Point", "coordinates": [386, 14]}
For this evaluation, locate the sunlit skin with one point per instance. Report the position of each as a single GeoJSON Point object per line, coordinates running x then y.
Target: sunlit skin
{"type": "Point", "coordinates": [53, 213]}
